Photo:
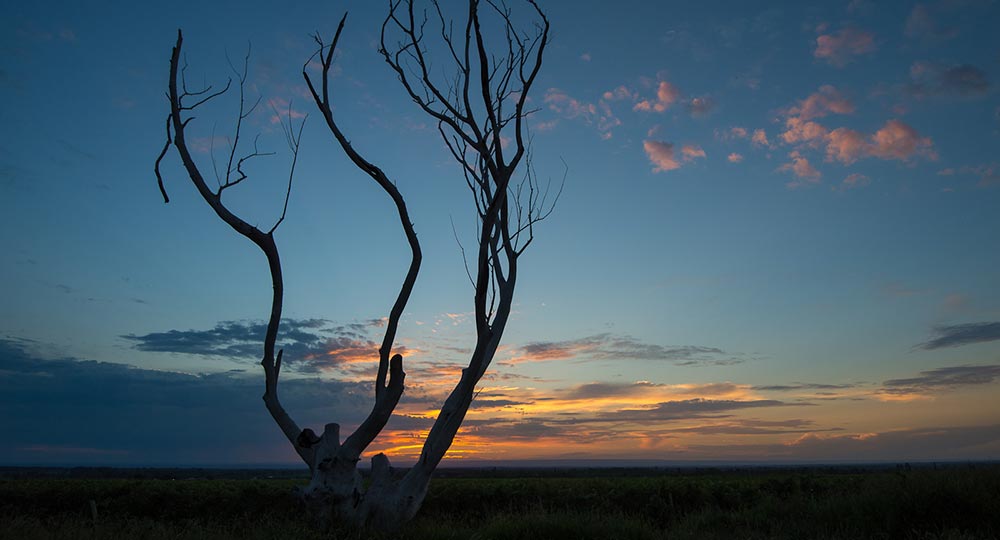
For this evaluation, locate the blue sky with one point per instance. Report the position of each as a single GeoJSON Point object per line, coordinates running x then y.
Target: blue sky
{"type": "Point", "coordinates": [777, 238]}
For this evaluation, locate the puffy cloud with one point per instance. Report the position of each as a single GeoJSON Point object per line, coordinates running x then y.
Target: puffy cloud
{"type": "Point", "coordinates": [928, 79]}
{"type": "Point", "coordinates": [734, 157]}
{"type": "Point", "coordinates": [664, 158]}
{"type": "Point", "coordinates": [896, 140]}
{"type": "Point", "coordinates": [760, 138]}
{"type": "Point", "coordinates": [666, 95]}
{"type": "Point", "coordinates": [700, 106]}
{"type": "Point", "coordinates": [838, 49]}
{"type": "Point", "coordinates": [620, 93]}
{"type": "Point", "coordinates": [846, 145]}
{"type": "Point", "coordinates": [963, 334]}
{"type": "Point", "coordinates": [801, 168]}
{"type": "Point", "coordinates": [824, 101]}
{"type": "Point", "coordinates": [738, 132]}
{"type": "Point", "coordinates": [799, 131]}
{"type": "Point", "coordinates": [662, 155]}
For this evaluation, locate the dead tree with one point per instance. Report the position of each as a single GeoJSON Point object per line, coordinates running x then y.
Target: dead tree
{"type": "Point", "coordinates": [475, 110]}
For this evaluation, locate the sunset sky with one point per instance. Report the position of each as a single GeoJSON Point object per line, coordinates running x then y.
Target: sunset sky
{"type": "Point", "coordinates": [778, 240]}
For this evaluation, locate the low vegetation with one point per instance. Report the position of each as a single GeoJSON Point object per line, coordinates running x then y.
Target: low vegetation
{"type": "Point", "coordinates": [897, 503]}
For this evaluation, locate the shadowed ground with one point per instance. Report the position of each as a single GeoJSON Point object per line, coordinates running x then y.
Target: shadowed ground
{"type": "Point", "coordinates": [959, 502]}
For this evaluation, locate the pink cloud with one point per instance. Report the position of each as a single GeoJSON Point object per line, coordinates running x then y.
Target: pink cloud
{"type": "Point", "coordinates": [846, 145]}
{"type": "Point", "coordinates": [760, 138]}
{"type": "Point", "coordinates": [568, 107]}
{"type": "Point", "coordinates": [896, 140]}
{"type": "Point", "coordinates": [563, 104]}
{"type": "Point", "coordinates": [824, 101]}
{"type": "Point", "coordinates": [738, 132]}
{"type": "Point", "coordinates": [799, 131]}
{"type": "Point", "coordinates": [839, 48]}
{"type": "Point", "coordinates": [854, 180]}
{"type": "Point", "coordinates": [666, 95]}
{"type": "Point", "coordinates": [692, 151]}
{"type": "Point", "coordinates": [664, 157]}
{"type": "Point", "coordinates": [735, 158]}
{"type": "Point", "coordinates": [585, 57]}
{"type": "Point", "coordinates": [802, 169]}
{"type": "Point", "coordinates": [622, 92]}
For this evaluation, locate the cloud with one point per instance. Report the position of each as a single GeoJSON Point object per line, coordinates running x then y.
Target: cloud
{"type": "Point", "coordinates": [570, 108]}
{"type": "Point", "coordinates": [854, 180]}
{"type": "Point", "coordinates": [801, 168]}
{"type": "Point", "coordinates": [946, 378]}
{"type": "Point", "coordinates": [846, 145]}
{"type": "Point", "coordinates": [801, 386]}
{"type": "Point", "coordinates": [700, 106]}
{"type": "Point", "coordinates": [734, 157]}
{"type": "Point", "coordinates": [839, 49]}
{"type": "Point", "coordinates": [921, 24]}
{"type": "Point", "coordinates": [309, 344]}
{"type": "Point", "coordinates": [73, 411]}
{"type": "Point", "coordinates": [894, 140]}
{"type": "Point", "coordinates": [897, 140]}
{"type": "Point", "coordinates": [929, 79]}
{"type": "Point", "coordinates": [662, 155]}
{"type": "Point", "coordinates": [798, 131]}
{"type": "Point", "coordinates": [585, 57]}
{"type": "Point", "coordinates": [612, 347]}
{"type": "Point", "coordinates": [760, 138]}
{"type": "Point", "coordinates": [963, 334]}
{"type": "Point", "coordinates": [686, 409]}
{"type": "Point", "coordinates": [692, 151]}
{"type": "Point", "coordinates": [666, 95]}
{"type": "Point", "coordinates": [827, 100]}
{"type": "Point", "coordinates": [619, 93]}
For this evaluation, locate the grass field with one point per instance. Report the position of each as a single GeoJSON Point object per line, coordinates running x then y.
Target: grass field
{"type": "Point", "coordinates": [961, 502]}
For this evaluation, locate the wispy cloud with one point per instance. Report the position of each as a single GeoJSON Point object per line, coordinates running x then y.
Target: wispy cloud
{"type": "Point", "coordinates": [597, 114]}
{"type": "Point", "coordinates": [962, 334]}
{"type": "Point", "coordinates": [946, 378]}
{"type": "Point", "coordinates": [922, 24]}
{"type": "Point", "coordinates": [840, 48]}
{"type": "Point", "coordinates": [930, 79]}
{"type": "Point", "coordinates": [309, 344]}
{"type": "Point", "coordinates": [611, 347]}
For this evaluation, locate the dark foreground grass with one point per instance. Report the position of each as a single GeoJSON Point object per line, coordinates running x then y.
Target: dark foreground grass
{"type": "Point", "coordinates": [956, 503]}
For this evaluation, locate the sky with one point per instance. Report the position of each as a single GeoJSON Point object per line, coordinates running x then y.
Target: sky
{"type": "Point", "coordinates": [777, 239]}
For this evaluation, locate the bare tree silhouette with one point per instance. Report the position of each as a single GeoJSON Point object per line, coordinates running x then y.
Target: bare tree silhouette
{"type": "Point", "coordinates": [475, 111]}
